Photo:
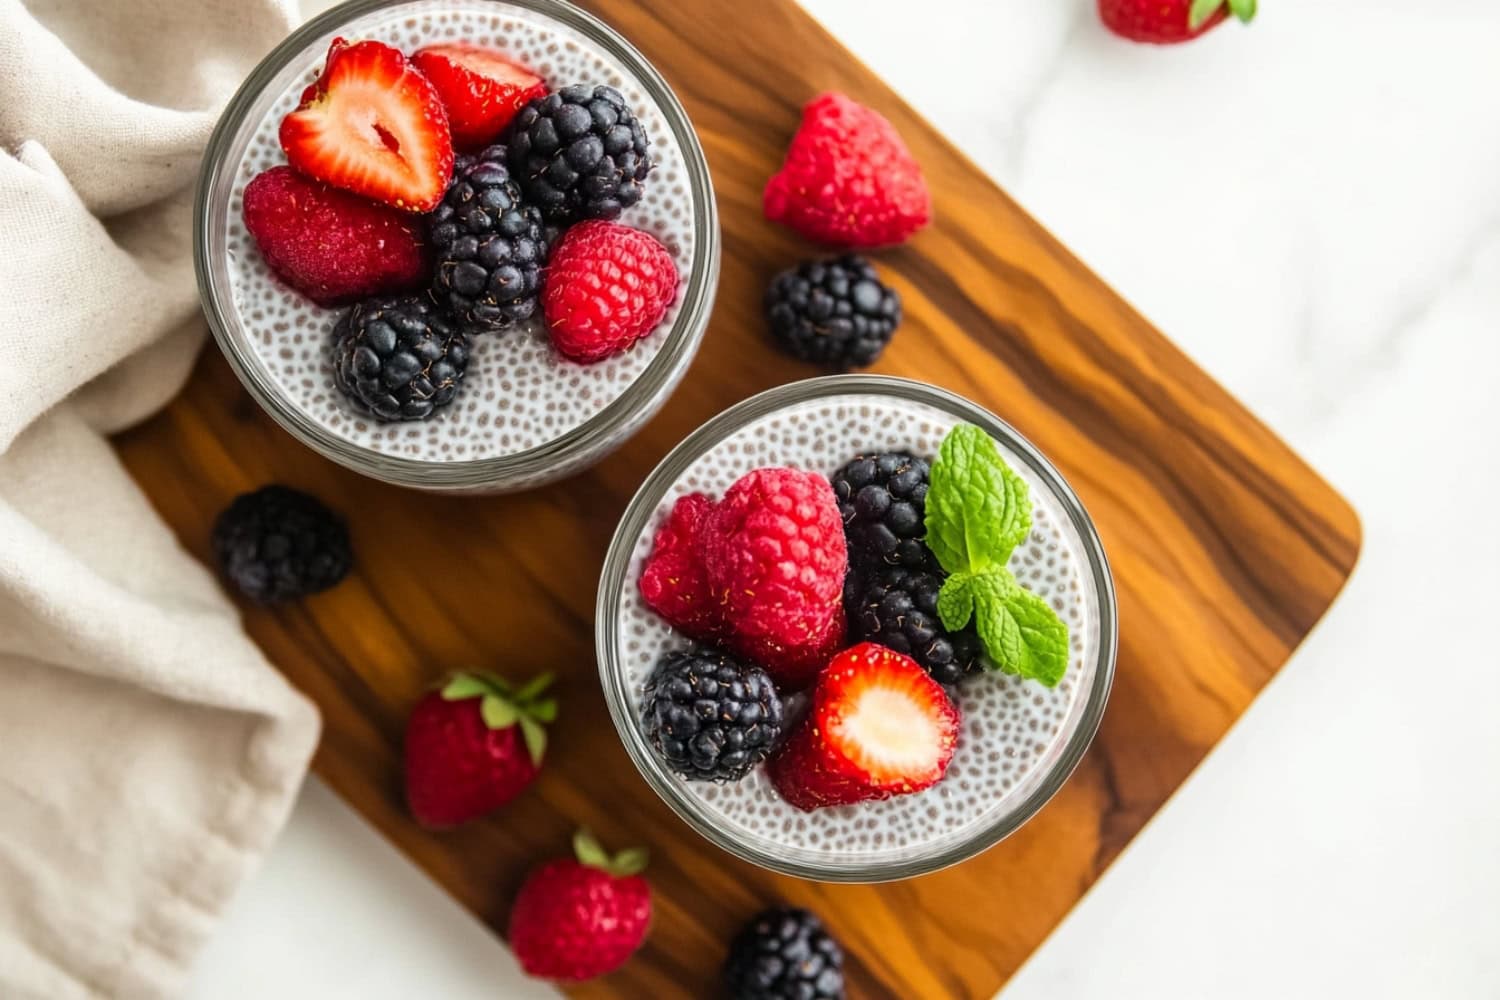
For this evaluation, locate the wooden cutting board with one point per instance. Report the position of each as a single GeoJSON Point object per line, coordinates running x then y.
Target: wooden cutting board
{"type": "Point", "coordinates": [1226, 549]}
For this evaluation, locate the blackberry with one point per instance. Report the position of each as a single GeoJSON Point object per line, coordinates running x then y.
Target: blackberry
{"type": "Point", "coordinates": [278, 544]}
{"type": "Point", "coordinates": [579, 153]}
{"type": "Point", "coordinates": [398, 358]}
{"type": "Point", "coordinates": [834, 312]}
{"type": "Point", "coordinates": [488, 244]}
{"type": "Point", "coordinates": [883, 500]}
{"type": "Point", "coordinates": [709, 716]}
{"type": "Point", "coordinates": [897, 607]}
{"type": "Point", "coordinates": [785, 954]}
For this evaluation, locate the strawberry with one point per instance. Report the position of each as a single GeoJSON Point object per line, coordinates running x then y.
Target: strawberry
{"type": "Point", "coordinates": [577, 919]}
{"type": "Point", "coordinates": [373, 125]}
{"type": "Point", "coordinates": [481, 90]}
{"type": "Point", "coordinates": [878, 726]}
{"type": "Point", "coordinates": [330, 245]}
{"type": "Point", "coordinates": [474, 745]}
{"type": "Point", "coordinates": [607, 286]}
{"type": "Point", "coordinates": [1166, 22]}
{"type": "Point", "coordinates": [848, 179]}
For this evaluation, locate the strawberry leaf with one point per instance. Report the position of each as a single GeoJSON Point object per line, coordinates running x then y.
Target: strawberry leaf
{"type": "Point", "coordinates": [498, 713]}
{"type": "Point", "coordinates": [631, 861]}
{"type": "Point", "coordinates": [535, 736]}
{"type": "Point", "coordinates": [465, 686]}
{"type": "Point", "coordinates": [1201, 11]}
{"type": "Point", "coordinates": [1243, 9]}
{"type": "Point", "coordinates": [543, 711]}
{"type": "Point", "coordinates": [533, 687]}
{"type": "Point", "coordinates": [588, 850]}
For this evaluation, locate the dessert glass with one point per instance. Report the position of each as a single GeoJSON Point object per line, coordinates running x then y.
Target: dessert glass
{"type": "Point", "coordinates": [1019, 741]}
{"type": "Point", "coordinates": [523, 416]}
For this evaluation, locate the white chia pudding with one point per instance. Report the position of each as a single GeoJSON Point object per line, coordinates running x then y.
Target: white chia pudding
{"type": "Point", "coordinates": [1013, 731]}
{"type": "Point", "coordinates": [518, 394]}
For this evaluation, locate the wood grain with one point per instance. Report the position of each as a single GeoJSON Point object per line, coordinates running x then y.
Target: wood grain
{"type": "Point", "coordinates": [1226, 549]}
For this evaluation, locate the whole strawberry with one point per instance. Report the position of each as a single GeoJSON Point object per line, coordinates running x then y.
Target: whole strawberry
{"type": "Point", "coordinates": [848, 179]}
{"type": "Point", "coordinates": [607, 286]}
{"type": "Point", "coordinates": [577, 919]}
{"type": "Point", "coordinates": [330, 245]}
{"type": "Point", "coordinates": [1166, 22]}
{"type": "Point", "coordinates": [474, 745]}
{"type": "Point", "coordinates": [775, 557]}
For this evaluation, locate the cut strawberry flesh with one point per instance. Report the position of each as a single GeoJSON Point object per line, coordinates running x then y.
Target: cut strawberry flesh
{"type": "Point", "coordinates": [887, 733]}
{"type": "Point", "coordinates": [879, 726]}
{"type": "Point", "coordinates": [373, 125]}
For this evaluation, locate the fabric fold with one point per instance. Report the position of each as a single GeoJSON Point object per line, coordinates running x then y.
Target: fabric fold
{"type": "Point", "coordinates": [148, 752]}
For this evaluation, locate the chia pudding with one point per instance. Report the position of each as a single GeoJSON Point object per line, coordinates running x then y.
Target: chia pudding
{"type": "Point", "coordinates": [1017, 739]}
{"type": "Point", "coordinates": [523, 414]}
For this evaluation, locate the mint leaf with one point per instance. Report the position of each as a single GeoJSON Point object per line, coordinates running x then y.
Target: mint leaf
{"type": "Point", "coordinates": [978, 510]}
{"type": "Point", "coordinates": [1020, 631]}
{"type": "Point", "coordinates": [955, 601]}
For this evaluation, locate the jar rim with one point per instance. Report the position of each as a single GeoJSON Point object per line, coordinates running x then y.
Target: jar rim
{"type": "Point", "coordinates": [532, 464]}
{"type": "Point", "coordinates": [635, 521]}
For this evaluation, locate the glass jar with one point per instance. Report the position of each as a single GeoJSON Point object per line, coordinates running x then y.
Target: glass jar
{"type": "Point", "coordinates": [1018, 742]}
{"type": "Point", "coordinates": [532, 418]}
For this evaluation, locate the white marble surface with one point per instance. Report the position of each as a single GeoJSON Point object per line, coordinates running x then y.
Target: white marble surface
{"type": "Point", "coordinates": [1311, 208]}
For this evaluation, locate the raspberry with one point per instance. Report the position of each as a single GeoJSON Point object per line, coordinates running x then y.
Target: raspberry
{"type": "Point", "coordinates": [674, 583]}
{"type": "Point", "coordinates": [775, 553]}
{"type": "Point", "coordinates": [848, 179]}
{"type": "Point", "coordinates": [607, 286]}
{"type": "Point", "coordinates": [330, 245]}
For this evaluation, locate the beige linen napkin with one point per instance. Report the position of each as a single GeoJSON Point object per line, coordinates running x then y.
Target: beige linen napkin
{"type": "Point", "coordinates": [148, 752]}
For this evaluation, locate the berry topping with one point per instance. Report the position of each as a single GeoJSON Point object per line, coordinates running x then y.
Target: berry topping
{"type": "Point", "coordinates": [279, 544]}
{"type": "Point", "coordinates": [883, 501]}
{"type": "Point", "coordinates": [579, 153]}
{"type": "Point", "coordinates": [878, 727]}
{"type": "Point", "coordinates": [607, 286]}
{"type": "Point", "coordinates": [373, 125]}
{"type": "Point", "coordinates": [835, 312]}
{"type": "Point", "coordinates": [398, 359]}
{"type": "Point", "coordinates": [330, 245]}
{"type": "Point", "coordinates": [481, 90]}
{"type": "Point", "coordinates": [674, 582]}
{"type": "Point", "coordinates": [473, 746]}
{"type": "Point", "coordinates": [710, 717]}
{"type": "Point", "coordinates": [574, 920]}
{"type": "Point", "coordinates": [897, 607]}
{"type": "Point", "coordinates": [848, 179]}
{"type": "Point", "coordinates": [488, 244]}
{"type": "Point", "coordinates": [775, 553]}
{"type": "Point", "coordinates": [785, 954]}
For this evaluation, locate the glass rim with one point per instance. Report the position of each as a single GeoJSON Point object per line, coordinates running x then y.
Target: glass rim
{"type": "Point", "coordinates": [636, 519]}
{"type": "Point", "coordinates": [643, 394]}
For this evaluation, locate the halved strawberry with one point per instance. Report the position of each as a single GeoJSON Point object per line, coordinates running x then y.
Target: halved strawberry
{"type": "Point", "coordinates": [878, 726]}
{"type": "Point", "coordinates": [481, 89]}
{"type": "Point", "coordinates": [373, 125]}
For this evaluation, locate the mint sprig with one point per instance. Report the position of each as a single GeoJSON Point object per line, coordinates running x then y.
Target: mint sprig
{"type": "Point", "coordinates": [978, 511]}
